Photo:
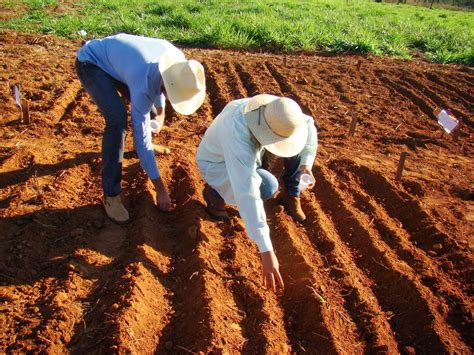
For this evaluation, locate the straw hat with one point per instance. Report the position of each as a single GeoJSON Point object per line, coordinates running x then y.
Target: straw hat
{"type": "Point", "coordinates": [184, 81]}
{"type": "Point", "coordinates": [277, 123]}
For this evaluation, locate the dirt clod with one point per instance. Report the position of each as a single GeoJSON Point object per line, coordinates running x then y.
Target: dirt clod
{"type": "Point", "coordinates": [437, 246]}
{"type": "Point", "coordinates": [408, 350]}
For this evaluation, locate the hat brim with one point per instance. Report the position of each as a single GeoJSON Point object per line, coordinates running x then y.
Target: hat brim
{"type": "Point", "coordinates": [280, 146]}
{"type": "Point", "coordinates": [185, 105]}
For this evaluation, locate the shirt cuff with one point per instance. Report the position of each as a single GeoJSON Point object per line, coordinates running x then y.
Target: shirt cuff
{"type": "Point", "coordinates": [264, 244]}
{"type": "Point", "coordinates": [307, 159]}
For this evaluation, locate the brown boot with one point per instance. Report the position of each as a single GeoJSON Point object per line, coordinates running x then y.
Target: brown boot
{"type": "Point", "coordinates": [292, 206]}
{"type": "Point", "coordinates": [116, 210]}
{"type": "Point", "coordinates": [215, 204]}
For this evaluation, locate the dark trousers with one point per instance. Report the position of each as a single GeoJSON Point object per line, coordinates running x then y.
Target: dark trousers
{"type": "Point", "coordinates": [103, 90]}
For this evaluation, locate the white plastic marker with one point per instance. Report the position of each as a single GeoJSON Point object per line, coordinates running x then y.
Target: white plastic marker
{"type": "Point", "coordinates": [155, 125]}
{"type": "Point", "coordinates": [305, 181]}
{"type": "Point", "coordinates": [448, 122]}
{"type": "Point", "coordinates": [16, 95]}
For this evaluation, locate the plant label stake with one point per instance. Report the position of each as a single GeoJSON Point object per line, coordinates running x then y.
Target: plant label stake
{"type": "Point", "coordinates": [401, 164]}
{"type": "Point", "coordinates": [22, 105]}
{"type": "Point", "coordinates": [353, 126]}
{"type": "Point", "coordinates": [25, 110]}
{"type": "Point", "coordinates": [456, 134]}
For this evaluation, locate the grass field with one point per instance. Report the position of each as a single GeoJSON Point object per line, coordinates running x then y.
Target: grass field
{"type": "Point", "coordinates": [360, 26]}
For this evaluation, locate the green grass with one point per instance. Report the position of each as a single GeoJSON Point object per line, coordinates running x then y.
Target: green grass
{"type": "Point", "coordinates": [359, 26]}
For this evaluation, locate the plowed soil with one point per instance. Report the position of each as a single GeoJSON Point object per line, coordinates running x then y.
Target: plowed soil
{"type": "Point", "coordinates": [380, 265]}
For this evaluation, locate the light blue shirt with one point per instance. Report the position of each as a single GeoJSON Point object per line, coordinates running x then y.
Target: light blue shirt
{"type": "Point", "coordinates": [133, 60]}
{"type": "Point", "coordinates": [228, 157]}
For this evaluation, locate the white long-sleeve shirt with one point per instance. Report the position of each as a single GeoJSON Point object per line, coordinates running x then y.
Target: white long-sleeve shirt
{"type": "Point", "coordinates": [228, 157]}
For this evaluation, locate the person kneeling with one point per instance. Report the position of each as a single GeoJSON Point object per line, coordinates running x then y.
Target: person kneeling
{"type": "Point", "coordinates": [229, 159]}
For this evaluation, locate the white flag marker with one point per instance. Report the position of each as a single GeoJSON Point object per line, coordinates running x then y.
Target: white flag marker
{"type": "Point", "coordinates": [448, 122]}
{"type": "Point", "coordinates": [16, 94]}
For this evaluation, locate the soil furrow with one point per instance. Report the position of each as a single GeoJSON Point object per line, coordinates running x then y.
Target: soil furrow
{"type": "Point", "coordinates": [394, 285]}
{"type": "Point", "coordinates": [247, 80]}
{"type": "Point", "coordinates": [286, 87]}
{"type": "Point", "coordinates": [422, 104]}
{"type": "Point", "coordinates": [262, 323]}
{"type": "Point", "coordinates": [143, 318]}
{"type": "Point", "coordinates": [66, 102]}
{"type": "Point", "coordinates": [265, 80]}
{"type": "Point", "coordinates": [201, 298]}
{"type": "Point", "coordinates": [360, 301]}
{"type": "Point", "coordinates": [190, 325]}
{"type": "Point", "coordinates": [58, 250]}
{"type": "Point", "coordinates": [437, 100]}
{"type": "Point", "coordinates": [116, 258]}
{"type": "Point", "coordinates": [314, 319]}
{"type": "Point", "coordinates": [456, 308]}
{"type": "Point", "coordinates": [215, 88]}
{"type": "Point", "coordinates": [453, 87]}
{"type": "Point", "coordinates": [236, 88]}
{"type": "Point", "coordinates": [421, 228]}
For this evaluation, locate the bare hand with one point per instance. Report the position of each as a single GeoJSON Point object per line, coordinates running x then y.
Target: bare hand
{"type": "Point", "coordinates": [305, 169]}
{"type": "Point", "coordinates": [163, 199]}
{"type": "Point", "coordinates": [271, 271]}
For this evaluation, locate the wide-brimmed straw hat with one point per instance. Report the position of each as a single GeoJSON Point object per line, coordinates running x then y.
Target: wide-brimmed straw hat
{"type": "Point", "coordinates": [184, 81]}
{"type": "Point", "coordinates": [277, 123]}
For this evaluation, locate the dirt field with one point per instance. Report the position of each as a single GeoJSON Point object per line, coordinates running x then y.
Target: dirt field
{"type": "Point", "coordinates": [379, 266]}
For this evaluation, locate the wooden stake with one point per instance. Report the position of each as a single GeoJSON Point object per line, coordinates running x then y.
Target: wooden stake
{"type": "Point", "coordinates": [456, 134]}
{"type": "Point", "coordinates": [284, 61]}
{"type": "Point", "coordinates": [401, 164]}
{"type": "Point", "coordinates": [25, 112]}
{"type": "Point", "coordinates": [353, 126]}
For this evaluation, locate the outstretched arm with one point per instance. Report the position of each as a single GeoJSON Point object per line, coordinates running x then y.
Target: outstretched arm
{"type": "Point", "coordinates": [240, 158]}
{"type": "Point", "coordinates": [145, 151]}
{"type": "Point", "coordinates": [271, 271]}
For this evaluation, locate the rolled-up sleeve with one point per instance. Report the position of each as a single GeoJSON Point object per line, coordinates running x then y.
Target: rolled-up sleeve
{"type": "Point", "coordinates": [308, 154]}
{"type": "Point", "coordinates": [241, 162]}
{"type": "Point", "coordinates": [142, 141]}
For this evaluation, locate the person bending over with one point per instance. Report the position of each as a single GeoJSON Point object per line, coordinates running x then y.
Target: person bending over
{"type": "Point", "coordinates": [229, 159]}
{"type": "Point", "coordinates": [146, 70]}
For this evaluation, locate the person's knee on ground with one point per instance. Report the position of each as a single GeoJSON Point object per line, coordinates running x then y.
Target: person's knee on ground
{"type": "Point", "coordinates": [269, 185]}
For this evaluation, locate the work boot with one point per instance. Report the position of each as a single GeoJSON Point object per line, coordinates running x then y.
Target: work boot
{"type": "Point", "coordinates": [292, 206]}
{"type": "Point", "coordinates": [115, 209]}
{"type": "Point", "coordinates": [215, 203]}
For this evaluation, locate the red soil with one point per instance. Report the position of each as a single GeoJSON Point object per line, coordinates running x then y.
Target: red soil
{"type": "Point", "coordinates": [379, 266]}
